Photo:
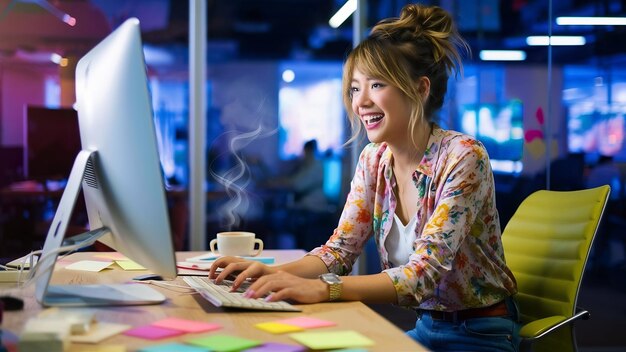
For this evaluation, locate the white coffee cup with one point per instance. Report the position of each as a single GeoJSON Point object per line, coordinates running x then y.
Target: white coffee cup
{"type": "Point", "coordinates": [237, 243]}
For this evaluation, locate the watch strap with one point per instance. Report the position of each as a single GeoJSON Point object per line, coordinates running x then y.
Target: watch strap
{"type": "Point", "coordinates": [335, 291]}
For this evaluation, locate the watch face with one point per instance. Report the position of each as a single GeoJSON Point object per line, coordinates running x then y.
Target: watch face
{"type": "Point", "coordinates": [331, 278]}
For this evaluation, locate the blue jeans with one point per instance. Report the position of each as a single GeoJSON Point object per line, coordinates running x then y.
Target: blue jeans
{"type": "Point", "coordinates": [477, 334]}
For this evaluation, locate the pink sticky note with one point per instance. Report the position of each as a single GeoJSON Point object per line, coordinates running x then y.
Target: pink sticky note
{"type": "Point", "coordinates": [189, 326]}
{"type": "Point", "coordinates": [150, 332]}
{"type": "Point", "coordinates": [307, 322]}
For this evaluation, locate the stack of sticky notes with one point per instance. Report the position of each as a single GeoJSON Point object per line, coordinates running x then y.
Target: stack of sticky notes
{"type": "Point", "coordinates": [297, 327]}
{"type": "Point", "coordinates": [315, 340]}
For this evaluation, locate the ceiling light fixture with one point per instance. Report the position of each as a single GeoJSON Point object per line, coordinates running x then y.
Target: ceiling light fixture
{"type": "Point", "coordinates": [502, 55]}
{"type": "Point", "coordinates": [344, 12]}
{"type": "Point", "coordinates": [544, 40]}
{"type": "Point", "coordinates": [59, 60]}
{"type": "Point", "coordinates": [591, 21]}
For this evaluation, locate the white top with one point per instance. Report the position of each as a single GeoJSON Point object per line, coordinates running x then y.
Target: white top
{"type": "Point", "coordinates": [399, 242]}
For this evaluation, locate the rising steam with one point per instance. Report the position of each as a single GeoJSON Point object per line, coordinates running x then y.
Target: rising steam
{"type": "Point", "coordinates": [236, 178]}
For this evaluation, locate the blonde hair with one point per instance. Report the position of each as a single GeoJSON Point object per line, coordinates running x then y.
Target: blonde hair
{"type": "Point", "coordinates": [422, 42]}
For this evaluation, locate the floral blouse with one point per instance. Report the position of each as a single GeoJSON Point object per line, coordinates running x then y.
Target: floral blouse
{"type": "Point", "coordinates": [458, 259]}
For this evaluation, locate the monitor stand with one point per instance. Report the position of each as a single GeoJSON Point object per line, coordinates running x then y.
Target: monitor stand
{"type": "Point", "coordinates": [82, 295]}
{"type": "Point", "coordinates": [101, 295]}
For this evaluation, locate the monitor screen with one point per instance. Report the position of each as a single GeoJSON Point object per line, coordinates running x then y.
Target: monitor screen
{"type": "Point", "coordinates": [597, 130]}
{"type": "Point", "coordinates": [48, 130]}
{"type": "Point", "coordinates": [118, 171]}
{"type": "Point", "coordinates": [497, 126]}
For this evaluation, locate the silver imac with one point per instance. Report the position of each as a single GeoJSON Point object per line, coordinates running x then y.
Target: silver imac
{"type": "Point", "coordinates": [119, 172]}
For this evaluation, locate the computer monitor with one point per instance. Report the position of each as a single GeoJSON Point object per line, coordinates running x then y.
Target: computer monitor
{"type": "Point", "coordinates": [119, 172]}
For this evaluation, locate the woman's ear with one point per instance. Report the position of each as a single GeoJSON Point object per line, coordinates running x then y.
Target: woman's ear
{"type": "Point", "coordinates": [424, 87]}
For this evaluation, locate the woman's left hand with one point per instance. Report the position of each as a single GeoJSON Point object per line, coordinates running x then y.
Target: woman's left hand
{"type": "Point", "coordinates": [281, 286]}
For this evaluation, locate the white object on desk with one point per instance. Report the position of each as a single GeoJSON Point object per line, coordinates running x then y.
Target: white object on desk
{"type": "Point", "coordinates": [41, 334]}
{"type": "Point", "coordinates": [13, 275]}
{"type": "Point", "coordinates": [79, 320]}
{"type": "Point", "coordinates": [23, 261]}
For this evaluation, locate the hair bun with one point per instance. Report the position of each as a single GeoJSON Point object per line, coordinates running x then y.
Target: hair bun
{"type": "Point", "coordinates": [425, 25]}
{"type": "Point", "coordinates": [428, 20]}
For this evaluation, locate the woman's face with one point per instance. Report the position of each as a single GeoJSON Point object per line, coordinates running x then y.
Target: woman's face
{"type": "Point", "coordinates": [383, 109]}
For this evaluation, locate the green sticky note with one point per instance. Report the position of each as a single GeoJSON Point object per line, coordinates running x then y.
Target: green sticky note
{"type": "Point", "coordinates": [331, 339]}
{"type": "Point", "coordinates": [223, 343]}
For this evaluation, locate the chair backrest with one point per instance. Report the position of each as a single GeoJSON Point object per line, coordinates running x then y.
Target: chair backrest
{"type": "Point", "coordinates": [546, 245]}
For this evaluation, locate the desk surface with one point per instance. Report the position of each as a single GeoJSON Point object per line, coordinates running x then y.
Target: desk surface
{"type": "Point", "coordinates": [348, 315]}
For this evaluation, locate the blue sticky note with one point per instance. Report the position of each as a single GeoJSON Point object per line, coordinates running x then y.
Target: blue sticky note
{"type": "Point", "coordinates": [172, 347]}
{"type": "Point", "coordinates": [264, 260]}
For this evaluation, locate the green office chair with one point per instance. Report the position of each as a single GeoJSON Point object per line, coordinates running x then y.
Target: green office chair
{"type": "Point", "coordinates": [546, 244]}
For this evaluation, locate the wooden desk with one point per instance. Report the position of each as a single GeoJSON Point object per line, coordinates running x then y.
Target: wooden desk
{"type": "Point", "coordinates": [347, 315]}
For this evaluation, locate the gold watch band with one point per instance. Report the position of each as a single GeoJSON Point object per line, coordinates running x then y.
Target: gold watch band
{"type": "Point", "coordinates": [335, 291]}
{"type": "Point", "coordinates": [334, 285]}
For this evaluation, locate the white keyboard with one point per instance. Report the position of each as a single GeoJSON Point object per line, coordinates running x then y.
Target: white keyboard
{"type": "Point", "coordinates": [221, 296]}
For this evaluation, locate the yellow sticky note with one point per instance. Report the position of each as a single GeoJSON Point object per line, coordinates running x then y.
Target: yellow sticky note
{"type": "Point", "coordinates": [129, 265]}
{"type": "Point", "coordinates": [331, 339]}
{"type": "Point", "coordinates": [278, 328]}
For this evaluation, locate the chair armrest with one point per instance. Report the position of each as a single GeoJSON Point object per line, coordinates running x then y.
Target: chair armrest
{"type": "Point", "coordinates": [539, 328]}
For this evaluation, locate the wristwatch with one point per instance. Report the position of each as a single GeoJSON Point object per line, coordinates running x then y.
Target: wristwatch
{"type": "Point", "coordinates": [334, 285]}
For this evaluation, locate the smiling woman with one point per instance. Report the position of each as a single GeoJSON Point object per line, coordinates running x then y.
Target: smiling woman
{"type": "Point", "coordinates": [425, 194]}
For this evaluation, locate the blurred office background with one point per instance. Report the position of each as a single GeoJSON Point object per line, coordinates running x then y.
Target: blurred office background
{"type": "Point", "coordinates": [551, 116]}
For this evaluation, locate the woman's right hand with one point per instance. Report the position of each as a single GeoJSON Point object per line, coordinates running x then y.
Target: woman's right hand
{"type": "Point", "coordinates": [246, 269]}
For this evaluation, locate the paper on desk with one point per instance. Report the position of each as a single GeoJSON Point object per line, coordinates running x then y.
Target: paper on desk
{"type": "Point", "coordinates": [22, 261]}
{"type": "Point", "coordinates": [194, 266]}
{"type": "Point", "coordinates": [98, 332]}
{"type": "Point", "coordinates": [193, 269]}
{"type": "Point", "coordinates": [129, 265]}
{"type": "Point", "coordinates": [224, 343]}
{"type": "Point", "coordinates": [331, 339]}
{"type": "Point", "coordinates": [89, 265]}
